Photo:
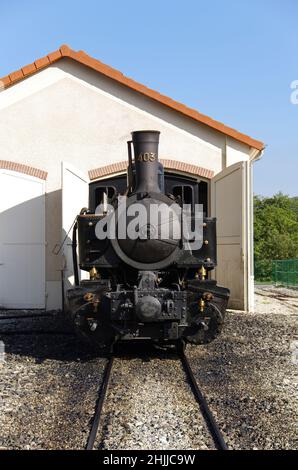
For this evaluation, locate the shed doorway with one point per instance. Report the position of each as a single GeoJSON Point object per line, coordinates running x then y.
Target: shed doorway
{"type": "Point", "coordinates": [22, 241]}
{"type": "Point", "coordinates": [191, 190]}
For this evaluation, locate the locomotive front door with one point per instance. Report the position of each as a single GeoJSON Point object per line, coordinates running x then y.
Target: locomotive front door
{"type": "Point", "coordinates": [75, 195]}
{"type": "Point", "coordinates": [231, 205]}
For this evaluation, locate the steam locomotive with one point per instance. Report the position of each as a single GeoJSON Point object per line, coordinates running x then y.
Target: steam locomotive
{"type": "Point", "coordinates": [145, 283]}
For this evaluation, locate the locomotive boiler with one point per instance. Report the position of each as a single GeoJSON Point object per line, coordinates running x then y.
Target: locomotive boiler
{"type": "Point", "coordinates": [149, 276]}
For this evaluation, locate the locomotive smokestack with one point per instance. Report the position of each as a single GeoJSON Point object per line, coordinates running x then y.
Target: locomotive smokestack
{"type": "Point", "coordinates": [145, 145]}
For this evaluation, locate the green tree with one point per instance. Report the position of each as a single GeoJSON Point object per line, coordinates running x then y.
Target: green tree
{"type": "Point", "coordinates": [275, 231]}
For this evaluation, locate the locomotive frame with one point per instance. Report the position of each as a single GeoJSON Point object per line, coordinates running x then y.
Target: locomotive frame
{"type": "Point", "coordinates": [151, 289]}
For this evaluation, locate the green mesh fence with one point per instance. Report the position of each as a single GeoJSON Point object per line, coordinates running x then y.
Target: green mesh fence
{"type": "Point", "coordinates": [285, 272]}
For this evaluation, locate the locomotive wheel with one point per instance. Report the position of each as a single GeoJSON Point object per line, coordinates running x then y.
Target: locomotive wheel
{"type": "Point", "coordinates": [206, 326]}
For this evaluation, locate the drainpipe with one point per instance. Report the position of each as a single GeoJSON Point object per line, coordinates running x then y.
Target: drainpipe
{"type": "Point", "coordinates": [254, 157]}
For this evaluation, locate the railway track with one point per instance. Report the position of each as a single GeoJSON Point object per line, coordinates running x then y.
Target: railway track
{"type": "Point", "coordinates": [291, 301]}
{"type": "Point", "coordinates": [213, 427]}
{"type": "Point", "coordinates": [209, 419]}
{"type": "Point", "coordinates": [99, 405]}
{"type": "Point", "coordinates": [36, 332]}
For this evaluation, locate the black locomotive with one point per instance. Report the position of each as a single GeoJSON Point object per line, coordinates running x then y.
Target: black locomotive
{"type": "Point", "coordinates": [154, 285]}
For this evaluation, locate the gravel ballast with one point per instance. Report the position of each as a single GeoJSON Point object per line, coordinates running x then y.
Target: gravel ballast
{"type": "Point", "coordinates": [48, 387]}
{"type": "Point", "coordinates": [150, 406]}
{"type": "Point", "coordinates": [249, 375]}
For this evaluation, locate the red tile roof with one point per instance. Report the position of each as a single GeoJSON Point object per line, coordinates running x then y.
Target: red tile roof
{"type": "Point", "coordinates": [85, 59]}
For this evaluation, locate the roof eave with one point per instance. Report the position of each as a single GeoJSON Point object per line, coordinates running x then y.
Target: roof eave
{"type": "Point", "coordinates": [94, 64]}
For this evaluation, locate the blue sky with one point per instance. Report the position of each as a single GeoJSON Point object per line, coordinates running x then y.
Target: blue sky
{"type": "Point", "coordinates": [232, 60]}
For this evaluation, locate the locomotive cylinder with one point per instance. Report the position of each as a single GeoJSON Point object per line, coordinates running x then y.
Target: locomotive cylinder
{"type": "Point", "coordinates": [145, 145]}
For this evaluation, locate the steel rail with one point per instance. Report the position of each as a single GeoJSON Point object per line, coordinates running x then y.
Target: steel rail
{"type": "Point", "coordinates": [205, 410]}
{"type": "Point", "coordinates": [16, 316]}
{"type": "Point", "coordinates": [99, 404]}
{"type": "Point", "coordinates": [213, 428]}
{"type": "Point", "coordinates": [36, 332]}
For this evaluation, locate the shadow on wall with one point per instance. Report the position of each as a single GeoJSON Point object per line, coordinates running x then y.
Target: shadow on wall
{"type": "Point", "coordinates": [30, 260]}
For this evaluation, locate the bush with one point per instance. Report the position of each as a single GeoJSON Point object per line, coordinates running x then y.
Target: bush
{"type": "Point", "coordinates": [275, 232]}
{"type": "Point", "coordinates": [263, 270]}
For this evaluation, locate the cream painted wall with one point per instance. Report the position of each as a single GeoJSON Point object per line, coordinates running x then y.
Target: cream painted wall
{"type": "Point", "coordinates": [236, 152]}
{"type": "Point", "coordinates": [68, 112]}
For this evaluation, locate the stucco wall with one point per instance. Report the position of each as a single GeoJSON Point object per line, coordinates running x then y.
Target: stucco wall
{"type": "Point", "coordinates": [236, 152]}
{"type": "Point", "coordinates": [70, 113]}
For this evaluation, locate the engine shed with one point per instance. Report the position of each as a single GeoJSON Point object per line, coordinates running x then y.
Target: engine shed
{"type": "Point", "coordinates": [64, 123]}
